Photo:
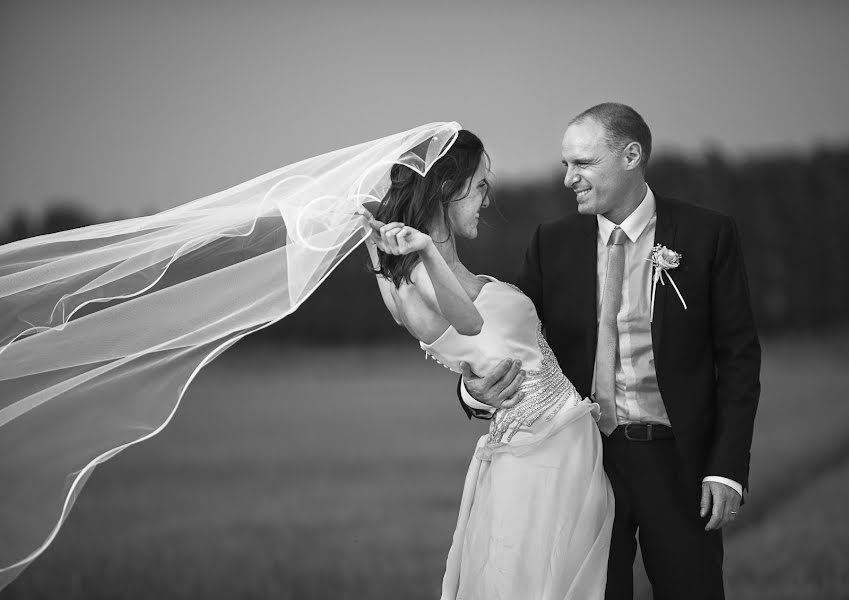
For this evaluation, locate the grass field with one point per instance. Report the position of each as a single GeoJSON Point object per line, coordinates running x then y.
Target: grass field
{"type": "Point", "coordinates": [805, 543]}
{"type": "Point", "coordinates": [328, 474]}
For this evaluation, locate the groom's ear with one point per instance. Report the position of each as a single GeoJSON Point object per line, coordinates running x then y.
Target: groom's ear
{"type": "Point", "coordinates": [633, 155]}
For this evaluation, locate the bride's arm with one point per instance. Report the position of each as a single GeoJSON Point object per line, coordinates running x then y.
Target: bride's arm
{"type": "Point", "coordinates": [383, 284]}
{"type": "Point", "coordinates": [453, 301]}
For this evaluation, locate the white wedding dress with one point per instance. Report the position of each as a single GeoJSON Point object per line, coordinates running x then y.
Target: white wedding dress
{"type": "Point", "coordinates": [537, 509]}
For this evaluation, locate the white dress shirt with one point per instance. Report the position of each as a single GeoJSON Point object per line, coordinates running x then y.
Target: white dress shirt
{"type": "Point", "coordinates": [637, 395]}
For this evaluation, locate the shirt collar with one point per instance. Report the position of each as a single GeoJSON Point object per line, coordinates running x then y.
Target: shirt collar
{"type": "Point", "coordinates": [636, 222]}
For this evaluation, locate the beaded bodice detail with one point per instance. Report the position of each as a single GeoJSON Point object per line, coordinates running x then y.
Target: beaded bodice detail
{"type": "Point", "coordinates": [511, 329]}
{"type": "Point", "coordinates": [545, 391]}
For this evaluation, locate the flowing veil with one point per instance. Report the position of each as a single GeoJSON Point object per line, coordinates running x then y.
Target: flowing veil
{"type": "Point", "coordinates": [103, 328]}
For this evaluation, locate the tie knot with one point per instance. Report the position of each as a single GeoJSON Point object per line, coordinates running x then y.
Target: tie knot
{"type": "Point", "coordinates": [617, 238]}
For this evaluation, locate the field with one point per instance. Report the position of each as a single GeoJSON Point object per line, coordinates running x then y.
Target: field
{"type": "Point", "coordinates": [337, 474]}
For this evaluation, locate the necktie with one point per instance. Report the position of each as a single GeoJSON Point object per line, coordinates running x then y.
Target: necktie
{"type": "Point", "coordinates": [608, 333]}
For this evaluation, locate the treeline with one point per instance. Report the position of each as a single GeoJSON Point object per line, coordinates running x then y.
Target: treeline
{"type": "Point", "coordinates": [792, 212]}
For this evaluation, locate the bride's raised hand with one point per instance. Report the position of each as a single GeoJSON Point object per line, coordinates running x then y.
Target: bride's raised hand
{"type": "Point", "coordinates": [397, 238]}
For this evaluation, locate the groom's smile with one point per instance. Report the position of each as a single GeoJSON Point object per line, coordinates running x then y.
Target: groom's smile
{"type": "Point", "coordinates": [598, 174]}
{"type": "Point", "coordinates": [588, 163]}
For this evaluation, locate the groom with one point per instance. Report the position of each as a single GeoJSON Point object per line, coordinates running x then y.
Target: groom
{"type": "Point", "coordinates": [674, 365]}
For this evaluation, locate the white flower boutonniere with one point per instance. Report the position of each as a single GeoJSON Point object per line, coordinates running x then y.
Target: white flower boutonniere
{"type": "Point", "coordinates": [663, 260]}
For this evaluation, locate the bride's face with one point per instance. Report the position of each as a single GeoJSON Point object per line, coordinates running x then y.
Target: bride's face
{"type": "Point", "coordinates": [464, 211]}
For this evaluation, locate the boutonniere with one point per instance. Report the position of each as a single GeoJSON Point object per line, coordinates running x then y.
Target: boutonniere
{"type": "Point", "coordinates": [663, 260]}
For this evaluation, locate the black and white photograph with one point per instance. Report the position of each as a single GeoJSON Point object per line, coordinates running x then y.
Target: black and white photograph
{"type": "Point", "coordinates": [470, 300]}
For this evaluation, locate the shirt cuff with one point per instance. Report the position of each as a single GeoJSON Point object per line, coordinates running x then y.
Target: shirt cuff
{"type": "Point", "coordinates": [472, 403]}
{"type": "Point", "coordinates": [729, 482]}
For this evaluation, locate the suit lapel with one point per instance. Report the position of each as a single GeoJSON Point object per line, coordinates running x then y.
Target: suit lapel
{"type": "Point", "coordinates": [587, 280]}
{"type": "Point", "coordinates": [665, 231]}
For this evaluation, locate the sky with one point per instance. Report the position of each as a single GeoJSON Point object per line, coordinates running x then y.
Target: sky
{"type": "Point", "coordinates": [135, 106]}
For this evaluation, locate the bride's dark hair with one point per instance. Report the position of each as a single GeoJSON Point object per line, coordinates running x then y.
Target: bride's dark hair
{"type": "Point", "coordinates": [415, 200]}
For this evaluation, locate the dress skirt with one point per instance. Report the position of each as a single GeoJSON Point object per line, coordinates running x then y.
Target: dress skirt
{"type": "Point", "coordinates": [536, 515]}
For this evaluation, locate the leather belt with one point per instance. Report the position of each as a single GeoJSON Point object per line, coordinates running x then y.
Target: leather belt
{"type": "Point", "coordinates": [643, 432]}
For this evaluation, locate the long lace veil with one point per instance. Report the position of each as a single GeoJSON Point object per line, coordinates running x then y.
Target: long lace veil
{"type": "Point", "coordinates": [103, 328]}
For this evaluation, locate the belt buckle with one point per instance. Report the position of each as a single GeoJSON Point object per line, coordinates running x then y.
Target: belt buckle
{"type": "Point", "coordinates": [648, 437]}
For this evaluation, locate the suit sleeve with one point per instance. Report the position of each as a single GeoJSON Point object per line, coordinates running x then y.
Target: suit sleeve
{"type": "Point", "coordinates": [478, 413]}
{"type": "Point", "coordinates": [530, 282]}
{"type": "Point", "coordinates": [737, 355]}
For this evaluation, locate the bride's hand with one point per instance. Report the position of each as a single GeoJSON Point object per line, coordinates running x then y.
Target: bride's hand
{"type": "Point", "coordinates": [397, 238]}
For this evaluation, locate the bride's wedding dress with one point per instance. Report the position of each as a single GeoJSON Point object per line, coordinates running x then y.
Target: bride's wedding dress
{"type": "Point", "coordinates": [537, 509]}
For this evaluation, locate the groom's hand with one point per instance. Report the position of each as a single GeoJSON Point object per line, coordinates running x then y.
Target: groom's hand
{"type": "Point", "coordinates": [500, 387]}
{"type": "Point", "coordinates": [720, 501]}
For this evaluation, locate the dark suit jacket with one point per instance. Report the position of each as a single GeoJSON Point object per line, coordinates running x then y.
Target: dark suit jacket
{"type": "Point", "coordinates": [707, 357]}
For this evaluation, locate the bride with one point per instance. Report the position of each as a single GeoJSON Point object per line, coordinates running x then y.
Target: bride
{"type": "Point", "coordinates": [103, 329]}
{"type": "Point", "coordinates": [537, 509]}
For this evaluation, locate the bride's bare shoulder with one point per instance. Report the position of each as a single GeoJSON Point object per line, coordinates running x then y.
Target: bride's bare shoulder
{"type": "Point", "coordinates": [420, 287]}
{"type": "Point", "coordinates": [418, 307]}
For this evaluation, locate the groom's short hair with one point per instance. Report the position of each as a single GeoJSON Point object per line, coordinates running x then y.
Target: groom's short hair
{"type": "Point", "coordinates": [622, 125]}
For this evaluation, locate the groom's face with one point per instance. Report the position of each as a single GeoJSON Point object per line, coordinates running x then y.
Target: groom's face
{"type": "Point", "coordinates": [594, 171]}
